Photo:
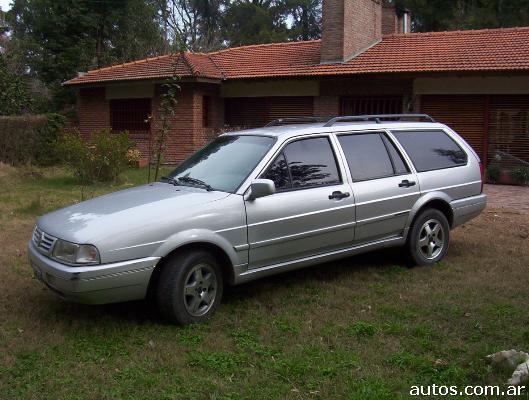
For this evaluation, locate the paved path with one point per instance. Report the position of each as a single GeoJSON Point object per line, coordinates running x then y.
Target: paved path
{"type": "Point", "coordinates": [512, 197]}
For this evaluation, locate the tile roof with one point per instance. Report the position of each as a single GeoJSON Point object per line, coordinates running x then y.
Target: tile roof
{"type": "Point", "coordinates": [504, 49]}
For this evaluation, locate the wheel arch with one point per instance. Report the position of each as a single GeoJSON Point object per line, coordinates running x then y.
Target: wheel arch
{"type": "Point", "coordinates": [196, 239]}
{"type": "Point", "coordinates": [437, 200]}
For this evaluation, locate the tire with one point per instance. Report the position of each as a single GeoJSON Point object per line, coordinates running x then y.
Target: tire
{"type": "Point", "coordinates": [189, 288]}
{"type": "Point", "coordinates": [429, 238]}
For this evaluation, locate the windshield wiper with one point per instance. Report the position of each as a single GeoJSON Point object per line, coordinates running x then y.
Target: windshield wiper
{"type": "Point", "coordinates": [168, 179]}
{"type": "Point", "coordinates": [195, 181]}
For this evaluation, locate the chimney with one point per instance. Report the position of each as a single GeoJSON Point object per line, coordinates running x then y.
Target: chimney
{"type": "Point", "coordinates": [395, 20]}
{"type": "Point", "coordinates": [349, 28]}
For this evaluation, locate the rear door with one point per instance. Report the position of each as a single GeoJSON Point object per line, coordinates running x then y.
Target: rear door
{"type": "Point", "coordinates": [312, 211]}
{"type": "Point", "coordinates": [384, 185]}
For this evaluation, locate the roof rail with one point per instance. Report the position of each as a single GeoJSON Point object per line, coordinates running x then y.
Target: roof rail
{"type": "Point", "coordinates": [299, 120]}
{"type": "Point", "coordinates": [377, 117]}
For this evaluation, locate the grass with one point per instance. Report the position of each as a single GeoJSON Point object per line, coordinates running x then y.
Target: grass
{"type": "Point", "coordinates": [360, 328]}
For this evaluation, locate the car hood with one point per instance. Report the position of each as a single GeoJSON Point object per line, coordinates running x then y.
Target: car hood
{"type": "Point", "coordinates": [126, 212]}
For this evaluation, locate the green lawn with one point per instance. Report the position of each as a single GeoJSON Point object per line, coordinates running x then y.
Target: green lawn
{"type": "Point", "coordinates": [361, 328]}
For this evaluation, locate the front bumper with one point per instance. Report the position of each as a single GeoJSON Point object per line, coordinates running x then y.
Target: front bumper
{"type": "Point", "coordinates": [98, 284]}
{"type": "Point", "coordinates": [467, 208]}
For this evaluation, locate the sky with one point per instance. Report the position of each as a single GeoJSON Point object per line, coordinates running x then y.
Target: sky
{"type": "Point", "coordinates": [5, 5]}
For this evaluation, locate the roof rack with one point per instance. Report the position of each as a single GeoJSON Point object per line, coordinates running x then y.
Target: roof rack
{"type": "Point", "coordinates": [377, 117]}
{"type": "Point", "coordinates": [294, 120]}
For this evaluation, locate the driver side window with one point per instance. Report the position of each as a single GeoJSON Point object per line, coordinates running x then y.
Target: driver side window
{"type": "Point", "coordinates": [278, 172]}
{"type": "Point", "coordinates": [304, 163]}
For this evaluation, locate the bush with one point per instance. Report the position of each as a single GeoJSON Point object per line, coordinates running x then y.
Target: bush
{"type": "Point", "coordinates": [30, 138]}
{"type": "Point", "coordinates": [521, 175]}
{"type": "Point", "coordinates": [493, 173]}
{"type": "Point", "coordinates": [101, 158]}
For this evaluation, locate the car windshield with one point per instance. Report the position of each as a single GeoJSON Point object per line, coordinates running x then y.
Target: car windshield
{"type": "Point", "coordinates": [224, 163]}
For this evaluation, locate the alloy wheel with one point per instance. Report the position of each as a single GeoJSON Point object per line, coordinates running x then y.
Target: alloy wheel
{"type": "Point", "coordinates": [200, 290]}
{"type": "Point", "coordinates": [431, 239]}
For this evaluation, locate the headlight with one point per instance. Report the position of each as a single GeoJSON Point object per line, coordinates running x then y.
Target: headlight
{"type": "Point", "coordinates": [72, 253]}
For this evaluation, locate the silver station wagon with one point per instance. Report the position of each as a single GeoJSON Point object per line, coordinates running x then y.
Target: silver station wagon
{"type": "Point", "coordinates": [262, 201]}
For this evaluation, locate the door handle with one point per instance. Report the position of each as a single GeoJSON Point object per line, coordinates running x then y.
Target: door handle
{"type": "Point", "coordinates": [406, 183]}
{"type": "Point", "coordinates": [339, 195]}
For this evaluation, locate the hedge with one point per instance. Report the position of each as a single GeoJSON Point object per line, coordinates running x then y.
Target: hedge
{"type": "Point", "coordinates": [30, 138]}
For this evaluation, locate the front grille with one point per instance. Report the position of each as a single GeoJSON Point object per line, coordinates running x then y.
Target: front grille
{"type": "Point", "coordinates": [42, 240]}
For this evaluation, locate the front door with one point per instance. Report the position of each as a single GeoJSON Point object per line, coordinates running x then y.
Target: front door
{"type": "Point", "coordinates": [312, 211]}
{"type": "Point", "coordinates": [385, 189]}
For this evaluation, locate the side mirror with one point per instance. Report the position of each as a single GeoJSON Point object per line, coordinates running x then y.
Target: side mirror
{"type": "Point", "coordinates": [261, 188]}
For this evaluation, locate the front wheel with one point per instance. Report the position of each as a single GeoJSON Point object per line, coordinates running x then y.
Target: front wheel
{"type": "Point", "coordinates": [189, 288]}
{"type": "Point", "coordinates": [429, 237]}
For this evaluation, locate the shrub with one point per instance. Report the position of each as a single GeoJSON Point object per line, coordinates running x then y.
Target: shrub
{"type": "Point", "coordinates": [101, 158]}
{"type": "Point", "coordinates": [493, 173]}
{"type": "Point", "coordinates": [30, 138]}
{"type": "Point", "coordinates": [521, 175]}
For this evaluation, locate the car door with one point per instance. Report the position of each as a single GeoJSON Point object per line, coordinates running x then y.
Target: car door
{"type": "Point", "coordinates": [384, 186]}
{"type": "Point", "coordinates": [312, 211]}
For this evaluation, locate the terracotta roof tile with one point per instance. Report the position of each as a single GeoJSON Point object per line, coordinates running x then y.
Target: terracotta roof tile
{"type": "Point", "coordinates": [479, 50]}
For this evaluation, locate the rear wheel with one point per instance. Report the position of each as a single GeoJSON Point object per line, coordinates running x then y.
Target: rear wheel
{"type": "Point", "coordinates": [429, 237]}
{"type": "Point", "coordinates": [189, 288]}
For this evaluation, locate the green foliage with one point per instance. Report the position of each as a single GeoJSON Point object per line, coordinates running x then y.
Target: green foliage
{"type": "Point", "coordinates": [521, 175]}
{"type": "Point", "coordinates": [254, 22]}
{"type": "Point", "coordinates": [14, 98]}
{"type": "Point", "coordinates": [439, 15]}
{"type": "Point", "coordinates": [493, 173]}
{"type": "Point", "coordinates": [101, 158]}
{"type": "Point", "coordinates": [56, 39]}
{"type": "Point", "coordinates": [30, 139]}
{"type": "Point", "coordinates": [306, 19]}
{"type": "Point", "coordinates": [362, 329]}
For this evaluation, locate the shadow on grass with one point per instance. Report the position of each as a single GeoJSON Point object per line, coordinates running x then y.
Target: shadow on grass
{"type": "Point", "coordinates": [144, 312]}
{"type": "Point", "coordinates": [380, 261]}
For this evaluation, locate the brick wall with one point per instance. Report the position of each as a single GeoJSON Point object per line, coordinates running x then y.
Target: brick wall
{"type": "Point", "coordinates": [187, 133]}
{"type": "Point", "coordinates": [326, 106]}
{"type": "Point", "coordinates": [349, 27]}
{"type": "Point", "coordinates": [389, 19]}
{"type": "Point", "coordinates": [92, 110]}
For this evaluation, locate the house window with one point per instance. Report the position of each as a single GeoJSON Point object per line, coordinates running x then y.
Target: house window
{"type": "Point", "coordinates": [365, 105]}
{"type": "Point", "coordinates": [130, 115]}
{"type": "Point", "coordinates": [205, 111]}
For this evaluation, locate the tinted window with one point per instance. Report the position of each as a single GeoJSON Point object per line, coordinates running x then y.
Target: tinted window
{"type": "Point", "coordinates": [311, 162]}
{"type": "Point", "coordinates": [366, 155]}
{"type": "Point", "coordinates": [278, 172]}
{"type": "Point", "coordinates": [225, 162]}
{"type": "Point", "coordinates": [398, 163]}
{"type": "Point", "coordinates": [431, 149]}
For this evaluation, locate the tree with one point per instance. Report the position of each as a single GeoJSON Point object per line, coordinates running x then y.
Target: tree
{"type": "Point", "coordinates": [14, 98]}
{"type": "Point", "coordinates": [192, 24]}
{"type": "Point", "coordinates": [438, 15]}
{"type": "Point", "coordinates": [254, 22]}
{"type": "Point", "coordinates": [56, 39]}
{"type": "Point", "coordinates": [306, 19]}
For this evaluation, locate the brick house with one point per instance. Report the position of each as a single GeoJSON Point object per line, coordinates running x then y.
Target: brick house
{"type": "Point", "coordinates": [367, 62]}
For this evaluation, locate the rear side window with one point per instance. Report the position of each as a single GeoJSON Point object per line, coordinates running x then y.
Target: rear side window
{"type": "Point", "coordinates": [304, 163]}
{"type": "Point", "coordinates": [430, 150]}
{"type": "Point", "coordinates": [371, 156]}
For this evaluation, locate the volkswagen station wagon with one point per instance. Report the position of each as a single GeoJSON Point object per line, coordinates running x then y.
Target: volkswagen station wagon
{"type": "Point", "coordinates": [263, 201]}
